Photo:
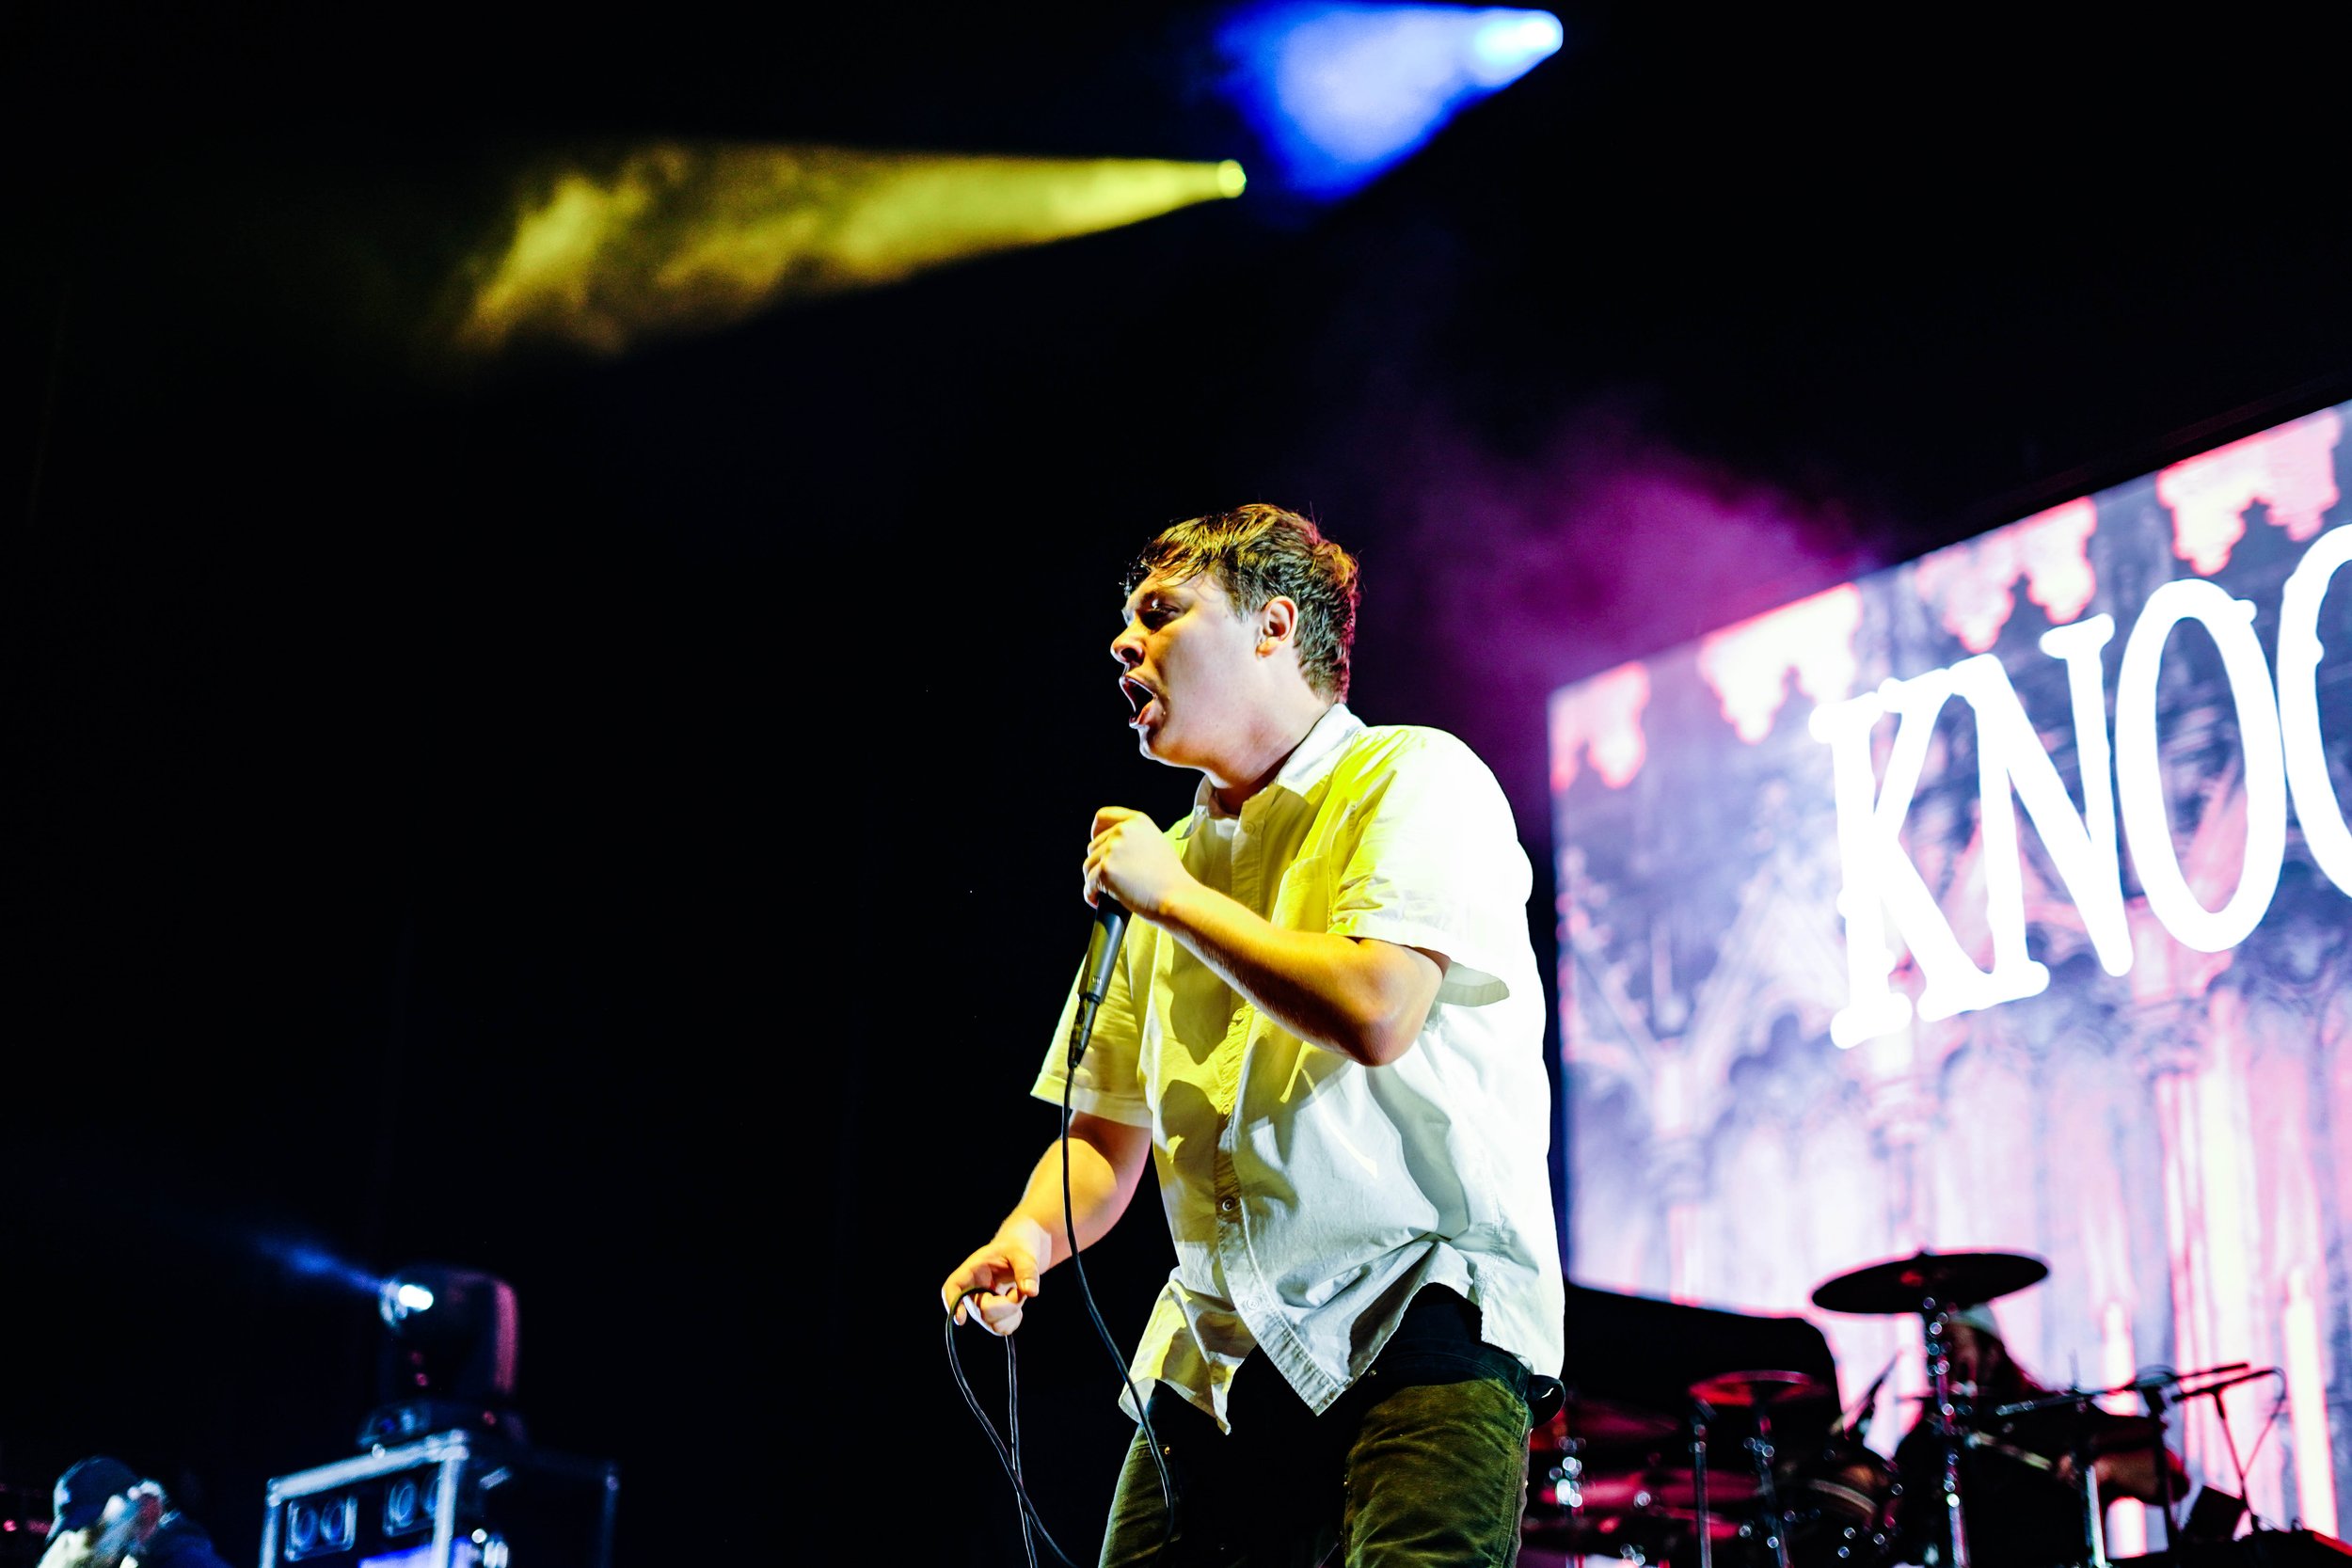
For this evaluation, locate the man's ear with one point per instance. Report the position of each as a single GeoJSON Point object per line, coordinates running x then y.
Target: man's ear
{"type": "Point", "coordinates": [1277, 623]}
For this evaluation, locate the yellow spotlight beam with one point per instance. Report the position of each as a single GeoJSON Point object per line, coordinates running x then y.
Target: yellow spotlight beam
{"type": "Point", "coordinates": [673, 238]}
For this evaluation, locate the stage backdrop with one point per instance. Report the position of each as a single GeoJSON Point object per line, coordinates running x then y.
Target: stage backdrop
{"type": "Point", "coordinates": [1997, 901]}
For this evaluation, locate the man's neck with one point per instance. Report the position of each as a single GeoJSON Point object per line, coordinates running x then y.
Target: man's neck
{"type": "Point", "coordinates": [1232, 787]}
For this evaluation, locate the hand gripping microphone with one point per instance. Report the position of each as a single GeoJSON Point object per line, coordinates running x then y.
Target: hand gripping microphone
{"type": "Point", "coordinates": [1110, 927]}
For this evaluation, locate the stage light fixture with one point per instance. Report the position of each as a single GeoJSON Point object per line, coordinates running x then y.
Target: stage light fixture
{"type": "Point", "coordinates": [1508, 45]}
{"type": "Point", "coordinates": [1339, 92]}
{"type": "Point", "coordinates": [446, 1477]}
{"type": "Point", "coordinates": [451, 1341]}
{"type": "Point", "coordinates": [603, 254]}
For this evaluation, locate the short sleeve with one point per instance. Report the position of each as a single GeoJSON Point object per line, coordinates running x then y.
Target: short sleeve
{"type": "Point", "coordinates": [1435, 862]}
{"type": "Point", "coordinates": [1109, 1083]}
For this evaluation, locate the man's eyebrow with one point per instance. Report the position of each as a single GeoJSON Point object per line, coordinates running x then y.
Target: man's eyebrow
{"type": "Point", "coordinates": [1164, 593]}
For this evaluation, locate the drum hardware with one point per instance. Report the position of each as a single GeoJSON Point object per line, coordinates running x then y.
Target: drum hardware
{"type": "Point", "coordinates": [1600, 1455]}
{"type": "Point", "coordinates": [1956, 1279]}
{"type": "Point", "coordinates": [1843, 1508]}
{"type": "Point", "coordinates": [2084, 1473]}
{"type": "Point", "coordinates": [1607, 1424]}
{"type": "Point", "coordinates": [1759, 1391]}
{"type": "Point", "coordinates": [1854, 1422]}
{"type": "Point", "coordinates": [1606, 1480]}
{"type": "Point", "coordinates": [2095, 1432]}
{"type": "Point", "coordinates": [1632, 1492]}
{"type": "Point", "coordinates": [1700, 1415]}
{"type": "Point", "coordinates": [2213, 1381]}
{"type": "Point", "coordinates": [1935, 1285]}
{"type": "Point", "coordinates": [1679, 1501]}
{"type": "Point", "coordinates": [1835, 1509]}
{"type": "Point", "coordinates": [1663, 1485]}
{"type": "Point", "coordinates": [1785, 1490]}
{"type": "Point", "coordinates": [1659, 1534]}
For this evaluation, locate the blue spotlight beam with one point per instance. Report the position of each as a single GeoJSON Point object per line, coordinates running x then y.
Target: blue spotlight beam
{"type": "Point", "coordinates": [305, 1260]}
{"type": "Point", "coordinates": [1339, 92]}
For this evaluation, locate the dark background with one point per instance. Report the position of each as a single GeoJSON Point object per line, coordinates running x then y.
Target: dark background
{"type": "Point", "coordinates": [615, 823]}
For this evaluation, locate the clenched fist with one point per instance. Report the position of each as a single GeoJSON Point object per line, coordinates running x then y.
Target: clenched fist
{"type": "Point", "coordinates": [1128, 859]}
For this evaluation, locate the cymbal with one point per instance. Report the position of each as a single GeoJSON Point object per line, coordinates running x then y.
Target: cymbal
{"type": "Point", "coordinates": [1592, 1423]}
{"type": "Point", "coordinates": [1750, 1390]}
{"type": "Point", "coordinates": [1573, 1532]}
{"type": "Point", "coordinates": [1947, 1278]}
{"type": "Point", "coordinates": [2055, 1429]}
{"type": "Point", "coordinates": [1720, 1526]}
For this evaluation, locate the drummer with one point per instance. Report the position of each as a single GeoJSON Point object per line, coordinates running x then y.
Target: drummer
{"type": "Point", "coordinates": [2023, 1504]}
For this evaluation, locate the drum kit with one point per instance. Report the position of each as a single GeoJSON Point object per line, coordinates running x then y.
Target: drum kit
{"type": "Point", "coordinates": [1606, 1480]}
{"type": "Point", "coordinates": [1760, 1468]}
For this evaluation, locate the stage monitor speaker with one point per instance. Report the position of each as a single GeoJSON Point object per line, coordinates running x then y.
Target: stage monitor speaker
{"type": "Point", "coordinates": [1646, 1352]}
{"type": "Point", "coordinates": [2260, 1548]}
{"type": "Point", "coordinates": [454, 1500]}
{"type": "Point", "coordinates": [2285, 1549]}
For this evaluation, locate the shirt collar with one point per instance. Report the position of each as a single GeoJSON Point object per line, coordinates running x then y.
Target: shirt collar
{"type": "Point", "coordinates": [1315, 755]}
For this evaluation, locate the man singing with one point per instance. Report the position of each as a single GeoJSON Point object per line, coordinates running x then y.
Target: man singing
{"type": "Point", "coordinates": [1325, 1031]}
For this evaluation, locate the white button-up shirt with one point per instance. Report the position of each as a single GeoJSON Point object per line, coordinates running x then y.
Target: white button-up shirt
{"type": "Point", "coordinates": [1309, 1195]}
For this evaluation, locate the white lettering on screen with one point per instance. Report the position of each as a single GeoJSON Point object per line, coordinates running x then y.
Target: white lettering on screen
{"type": "Point", "coordinates": [2281, 756]}
{"type": "Point", "coordinates": [2140, 769]}
{"type": "Point", "coordinates": [2316, 808]}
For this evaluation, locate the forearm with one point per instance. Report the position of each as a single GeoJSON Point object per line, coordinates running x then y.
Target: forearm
{"type": "Point", "coordinates": [1365, 1000]}
{"type": "Point", "coordinates": [2134, 1473]}
{"type": "Point", "coordinates": [1101, 1183]}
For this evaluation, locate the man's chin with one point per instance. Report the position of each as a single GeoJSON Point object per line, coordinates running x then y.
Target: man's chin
{"type": "Point", "coordinates": [1152, 743]}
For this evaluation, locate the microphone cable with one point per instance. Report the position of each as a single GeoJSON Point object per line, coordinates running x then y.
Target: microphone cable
{"type": "Point", "coordinates": [1085, 1290]}
{"type": "Point", "coordinates": [1008, 1443]}
{"type": "Point", "coordinates": [2278, 1404]}
{"type": "Point", "coordinates": [1111, 922]}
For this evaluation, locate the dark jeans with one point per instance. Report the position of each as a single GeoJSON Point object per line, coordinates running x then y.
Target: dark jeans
{"type": "Point", "coordinates": [1422, 1462]}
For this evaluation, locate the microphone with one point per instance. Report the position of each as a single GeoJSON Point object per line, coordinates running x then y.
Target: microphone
{"type": "Point", "coordinates": [2204, 1389]}
{"type": "Point", "coordinates": [1856, 1420]}
{"type": "Point", "coordinates": [1110, 925]}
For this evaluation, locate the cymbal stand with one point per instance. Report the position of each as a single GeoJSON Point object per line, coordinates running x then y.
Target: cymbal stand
{"type": "Point", "coordinates": [2086, 1472]}
{"type": "Point", "coordinates": [1701, 1413]}
{"type": "Point", "coordinates": [1945, 1418]}
{"type": "Point", "coordinates": [2153, 1398]}
{"type": "Point", "coordinates": [1760, 1445]}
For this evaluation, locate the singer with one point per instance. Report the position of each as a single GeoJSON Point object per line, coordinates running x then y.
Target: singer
{"type": "Point", "coordinates": [1324, 1033]}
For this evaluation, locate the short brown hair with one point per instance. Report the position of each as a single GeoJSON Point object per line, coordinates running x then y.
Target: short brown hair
{"type": "Point", "coordinates": [1258, 553]}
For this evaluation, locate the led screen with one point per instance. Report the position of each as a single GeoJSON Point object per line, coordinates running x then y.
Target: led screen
{"type": "Point", "coordinates": [1997, 901]}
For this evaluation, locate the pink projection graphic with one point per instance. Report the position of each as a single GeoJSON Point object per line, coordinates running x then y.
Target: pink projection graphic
{"type": "Point", "coordinates": [1999, 901]}
{"type": "Point", "coordinates": [1748, 665]}
{"type": "Point", "coordinates": [1969, 584]}
{"type": "Point", "coordinates": [2291, 469]}
{"type": "Point", "coordinates": [1601, 719]}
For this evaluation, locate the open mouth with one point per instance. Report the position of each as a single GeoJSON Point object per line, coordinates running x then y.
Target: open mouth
{"type": "Point", "coordinates": [1138, 695]}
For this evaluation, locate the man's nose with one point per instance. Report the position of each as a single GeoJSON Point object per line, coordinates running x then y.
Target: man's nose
{"type": "Point", "coordinates": [1127, 647]}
